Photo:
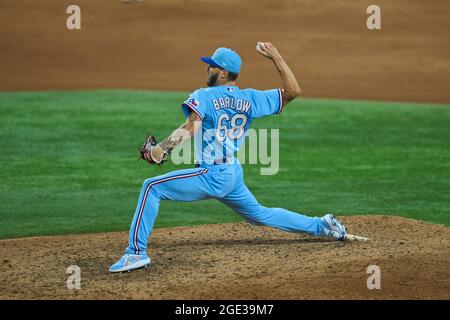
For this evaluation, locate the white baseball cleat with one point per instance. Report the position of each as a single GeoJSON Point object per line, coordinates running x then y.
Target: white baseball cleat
{"type": "Point", "coordinates": [336, 229]}
{"type": "Point", "coordinates": [333, 227]}
{"type": "Point", "coordinates": [130, 262]}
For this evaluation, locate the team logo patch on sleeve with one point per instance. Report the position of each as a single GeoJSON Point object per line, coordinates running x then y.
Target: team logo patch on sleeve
{"type": "Point", "coordinates": [194, 102]}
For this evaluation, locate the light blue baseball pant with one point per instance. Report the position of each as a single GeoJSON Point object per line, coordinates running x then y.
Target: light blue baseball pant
{"type": "Point", "coordinates": [223, 182]}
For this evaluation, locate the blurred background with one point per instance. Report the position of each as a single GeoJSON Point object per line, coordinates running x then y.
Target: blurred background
{"type": "Point", "coordinates": [156, 44]}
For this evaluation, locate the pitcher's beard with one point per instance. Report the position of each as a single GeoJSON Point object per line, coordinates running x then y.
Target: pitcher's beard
{"type": "Point", "coordinates": [212, 80]}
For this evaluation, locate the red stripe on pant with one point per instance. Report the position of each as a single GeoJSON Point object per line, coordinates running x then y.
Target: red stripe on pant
{"type": "Point", "coordinates": [147, 190]}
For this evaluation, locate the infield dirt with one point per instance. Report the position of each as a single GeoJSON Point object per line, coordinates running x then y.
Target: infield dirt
{"type": "Point", "coordinates": [237, 261]}
{"type": "Point", "coordinates": [156, 45]}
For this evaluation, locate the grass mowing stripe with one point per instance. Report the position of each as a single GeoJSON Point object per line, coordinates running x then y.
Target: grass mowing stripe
{"type": "Point", "coordinates": [68, 160]}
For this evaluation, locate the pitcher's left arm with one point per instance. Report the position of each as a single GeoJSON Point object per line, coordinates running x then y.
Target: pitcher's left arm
{"type": "Point", "coordinates": [158, 153]}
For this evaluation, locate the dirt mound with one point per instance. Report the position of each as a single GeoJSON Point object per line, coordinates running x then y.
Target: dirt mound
{"type": "Point", "coordinates": [156, 44]}
{"type": "Point", "coordinates": [237, 261]}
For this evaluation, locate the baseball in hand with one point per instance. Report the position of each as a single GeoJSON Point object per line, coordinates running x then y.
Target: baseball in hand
{"type": "Point", "coordinates": [260, 46]}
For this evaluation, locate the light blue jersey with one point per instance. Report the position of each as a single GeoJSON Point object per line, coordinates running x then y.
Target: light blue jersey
{"type": "Point", "coordinates": [226, 113]}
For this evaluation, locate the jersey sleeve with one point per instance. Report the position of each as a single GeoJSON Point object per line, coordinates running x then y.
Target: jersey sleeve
{"type": "Point", "coordinates": [267, 102]}
{"type": "Point", "coordinates": [197, 103]}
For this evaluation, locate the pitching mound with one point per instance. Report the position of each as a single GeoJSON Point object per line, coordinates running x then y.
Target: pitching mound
{"type": "Point", "coordinates": [237, 261]}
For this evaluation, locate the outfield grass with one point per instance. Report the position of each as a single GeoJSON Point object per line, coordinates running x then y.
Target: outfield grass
{"type": "Point", "coordinates": [68, 161]}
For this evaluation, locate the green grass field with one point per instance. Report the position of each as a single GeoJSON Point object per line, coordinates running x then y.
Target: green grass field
{"type": "Point", "coordinates": [68, 161]}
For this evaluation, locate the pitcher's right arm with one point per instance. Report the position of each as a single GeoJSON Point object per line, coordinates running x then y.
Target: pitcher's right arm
{"type": "Point", "coordinates": [291, 89]}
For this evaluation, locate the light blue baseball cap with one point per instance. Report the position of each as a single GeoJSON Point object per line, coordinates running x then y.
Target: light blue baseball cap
{"type": "Point", "coordinates": [226, 59]}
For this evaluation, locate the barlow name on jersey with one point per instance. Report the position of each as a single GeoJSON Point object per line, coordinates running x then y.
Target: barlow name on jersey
{"type": "Point", "coordinates": [232, 103]}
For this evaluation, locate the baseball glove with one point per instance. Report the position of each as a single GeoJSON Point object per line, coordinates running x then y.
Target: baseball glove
{"type": "Point", "coordinates": [151, 152]}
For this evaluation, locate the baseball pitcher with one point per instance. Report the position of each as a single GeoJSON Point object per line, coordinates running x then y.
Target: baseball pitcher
{"type": "Point", "coordinates": [221, 114]}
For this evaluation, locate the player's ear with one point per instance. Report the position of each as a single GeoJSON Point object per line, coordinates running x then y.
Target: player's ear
{"type": "Point", "coordinates": [224, 74]}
